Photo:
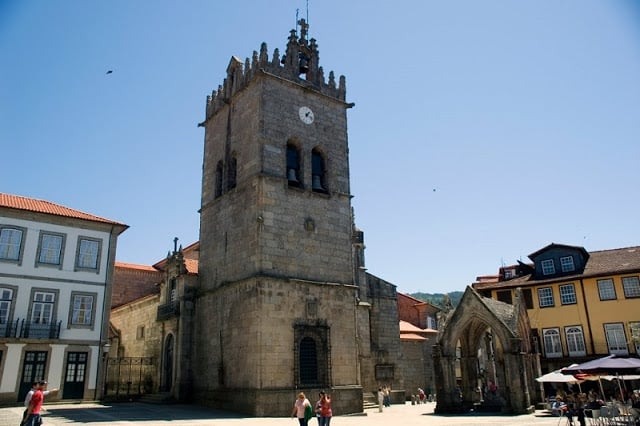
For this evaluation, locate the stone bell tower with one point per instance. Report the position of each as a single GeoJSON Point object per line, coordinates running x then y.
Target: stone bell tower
{"type": "Point", "coordinates": [276, 308]}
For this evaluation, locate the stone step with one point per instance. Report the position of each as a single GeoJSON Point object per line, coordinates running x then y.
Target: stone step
{"type": "Point", "coordinates": [157, 398]}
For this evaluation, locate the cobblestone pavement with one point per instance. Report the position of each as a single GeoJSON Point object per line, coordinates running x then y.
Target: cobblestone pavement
{"type": "Point", "coordinates": [128, 414]}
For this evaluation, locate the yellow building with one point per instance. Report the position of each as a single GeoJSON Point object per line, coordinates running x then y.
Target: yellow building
{"type": "Point", "coordinates": [581, 305]}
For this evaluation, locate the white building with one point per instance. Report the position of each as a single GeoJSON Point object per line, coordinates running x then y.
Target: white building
{"type": "Point", "coordinates": [56, 269]}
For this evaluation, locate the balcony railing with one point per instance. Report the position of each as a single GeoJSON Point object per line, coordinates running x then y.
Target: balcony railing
{"type": "Point", "coordinates": [22, 329]}
{"type": "Point", "coordinates": [41, 331]}
{"type": "Point", "coordinates": [168, 310]}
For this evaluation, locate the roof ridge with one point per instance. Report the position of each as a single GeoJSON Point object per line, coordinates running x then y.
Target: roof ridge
{"type": "Point", "coordinates": [20, 202]}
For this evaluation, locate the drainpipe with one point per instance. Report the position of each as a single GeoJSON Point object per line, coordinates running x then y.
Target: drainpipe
{"type": "Point", "coordinates": [586, 311]}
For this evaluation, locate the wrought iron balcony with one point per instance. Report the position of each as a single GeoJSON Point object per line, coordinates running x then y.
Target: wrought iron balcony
{"type": "Point", "coordinates": [22, 329]}
{"type": "Point", "coordinates": [168, 310]}
{"type": "Point", "coordinates": [9, 329]}
{"type": "Point", "coordinates": [41, 331]}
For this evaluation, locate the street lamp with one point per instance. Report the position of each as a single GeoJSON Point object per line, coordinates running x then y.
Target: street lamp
{"type": "Point", "coordinates": [105, 363]}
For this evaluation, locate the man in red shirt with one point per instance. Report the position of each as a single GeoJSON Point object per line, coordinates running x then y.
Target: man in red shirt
{"type": "Point", "coordinates": [33, 410]}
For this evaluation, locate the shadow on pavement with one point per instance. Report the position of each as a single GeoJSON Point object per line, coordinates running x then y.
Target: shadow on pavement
{"type": "Point", "coordinates": [137, 412]}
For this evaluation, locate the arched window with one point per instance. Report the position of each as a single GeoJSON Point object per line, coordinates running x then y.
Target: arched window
{"type": "Point", "coordinates": [308, 362]}
{"type": "Point", "coordinates": [219, 168]}
{"type": "Point", "coordinates": [318, 172]}
{"type": "Point", "coordinates": [293, 166]}
{"type": "Point", "coordinates": [575, 341]}
{"type": "Point", "coordinates": [232, 172]}
{"type": "Point", "coordinates": [552, 345]}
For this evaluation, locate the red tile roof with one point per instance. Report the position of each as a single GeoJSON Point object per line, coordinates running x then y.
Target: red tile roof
{"type": "Point", "coordinates": [147, 268]}
{"type": "Point", "coordinates": [132, 282]}
{"type": "Point", "coordinates": [18, 202]}
{"type": "Point", "coordinates": [409, 328]}
{"type": "Point", "coordinates": [412, 336]}
{"type": "Point", "coordinates": [192, 266]}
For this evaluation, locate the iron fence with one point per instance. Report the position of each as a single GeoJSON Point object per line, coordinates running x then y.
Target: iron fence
{"type": "Point", "coordinates": [129, 377]}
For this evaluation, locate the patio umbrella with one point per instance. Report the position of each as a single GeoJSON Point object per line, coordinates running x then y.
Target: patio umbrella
{"type": "Point", "coordinates": [557, 377]}
{"type": "Point", "coordinates": [608, 365]}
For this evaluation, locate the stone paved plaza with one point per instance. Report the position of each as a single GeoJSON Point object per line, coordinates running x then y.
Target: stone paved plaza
{"type": "Point", "coordinates": [189, 415]}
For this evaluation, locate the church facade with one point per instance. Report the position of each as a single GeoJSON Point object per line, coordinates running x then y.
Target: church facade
{"type": "Point", "coordinates": [281, 301]}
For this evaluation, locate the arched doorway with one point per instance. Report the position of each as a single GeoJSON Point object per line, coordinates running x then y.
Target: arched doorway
{"type": "Point", "coordinates": [167, 364]}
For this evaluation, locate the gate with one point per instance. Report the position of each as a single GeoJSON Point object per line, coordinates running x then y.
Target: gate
{"type": "Point", "coordinates": [130, 377]}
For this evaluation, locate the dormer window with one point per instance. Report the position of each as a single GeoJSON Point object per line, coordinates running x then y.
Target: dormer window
{"type": "Point", "coordinates": [566, 264]}
{"type": "Point", "coordinates": [508, 274]}
{"type": "Point", "coordinates": [548, 268]}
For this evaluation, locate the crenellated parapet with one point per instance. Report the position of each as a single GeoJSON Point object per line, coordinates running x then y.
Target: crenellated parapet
{"type": "Point", "coordinates": [300, 64]}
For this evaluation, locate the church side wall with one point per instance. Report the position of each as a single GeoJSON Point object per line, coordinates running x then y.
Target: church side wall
{"type": "Point", "coordinates": [385, 342]}
{"type": "Point", "coordinates": [128, 320]}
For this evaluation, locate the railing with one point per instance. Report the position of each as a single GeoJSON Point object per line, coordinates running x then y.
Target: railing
{"type": "Point", "coordinates": [23, 329]}
{"type": "Point", "coordinates": [41, 331]}
{"type": "Point", "coordinates": [168, 310]}
{"type": "Point", "coordinates": [129, 377]}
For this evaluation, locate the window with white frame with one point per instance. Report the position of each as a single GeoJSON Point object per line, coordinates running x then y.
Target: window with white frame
{"type": "Point", "coordinates": [548, 268]}
{"type": "Point", "coordinates": [631, 286]}
{"type": "Point", "coordinates": [88, 253]}
{"type": "Point", "coordinates": [552, 344]}
{"type": "Point", "coordinates": [566, 264]}
{"type": "Point", "coordinates": [606, 289]}
{"type": "Point", "coordinates": [82, 309]}
{"type": "Point", "coordinates": [6, 301]}
{"type": "Point", "coordinates": [575, 341]}
{"type": "Point", "coordinates": [634, 332]}
{"type": "Point", "coordinates": [545, 297]}
{"type": "Point", "coordinates": [11, 243]}
{"type": "Point", "coordinates": [568, 294]}
{"type": "Point", "coordinates": [42, 307]}
{"type": "Point", "coordinates": [616, 340]}
{"type": "Point", "coordinates": [50, 249]}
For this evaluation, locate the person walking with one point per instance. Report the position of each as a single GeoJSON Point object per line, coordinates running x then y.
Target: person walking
{"type": "Point", "coordinates": [302, 409]}
{"type": "Point", "coordinates": [324, 409]}
{"type": "Point", "coordinates": [35, 405]}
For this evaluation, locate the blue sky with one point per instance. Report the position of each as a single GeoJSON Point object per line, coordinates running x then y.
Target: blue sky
{"type": "Point", "coordinates": [482, 131]}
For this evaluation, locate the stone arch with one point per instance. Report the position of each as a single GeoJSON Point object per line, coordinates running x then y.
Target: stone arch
{"type": "Point", "coordinates": [483, 358]}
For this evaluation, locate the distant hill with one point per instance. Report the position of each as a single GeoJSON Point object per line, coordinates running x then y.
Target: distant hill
{"type": "Point", "coordinates": [438, 298]}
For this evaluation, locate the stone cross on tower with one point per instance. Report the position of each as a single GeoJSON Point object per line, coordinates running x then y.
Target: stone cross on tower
{"type": "Point", "coordinates": [304, 29]}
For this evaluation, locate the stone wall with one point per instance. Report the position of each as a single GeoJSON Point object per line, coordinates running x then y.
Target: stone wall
{"type": "Point", "coordinates": [244, 342]}
{"type": "Point", "coordinates": [382, 367]}
{"type": "Point", "coordinates": [140, 335]}
{"type": "Point", "coordinates": [263, 225]}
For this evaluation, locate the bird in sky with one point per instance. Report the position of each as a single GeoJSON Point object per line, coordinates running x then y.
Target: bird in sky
{"type": "Point", "coordinates": [110, 72]}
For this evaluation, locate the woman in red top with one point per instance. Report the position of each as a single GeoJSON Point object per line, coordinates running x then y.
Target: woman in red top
{"type": "Point", "coordinates": [324, 409]}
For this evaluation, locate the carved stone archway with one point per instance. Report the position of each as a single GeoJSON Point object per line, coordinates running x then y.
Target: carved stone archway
{"type": "Point", "coordinates": [481, 343]}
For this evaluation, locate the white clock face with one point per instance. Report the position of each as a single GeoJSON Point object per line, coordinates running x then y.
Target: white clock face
{"type": "Point", "coordinates": [306, 115]}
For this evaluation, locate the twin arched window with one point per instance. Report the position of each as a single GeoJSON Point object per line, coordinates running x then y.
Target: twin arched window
{"type": "Point", "coordinates": [318, 169]}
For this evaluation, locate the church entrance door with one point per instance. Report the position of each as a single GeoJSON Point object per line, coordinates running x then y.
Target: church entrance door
{"type": "Point", "coordinates": [167, 370]}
